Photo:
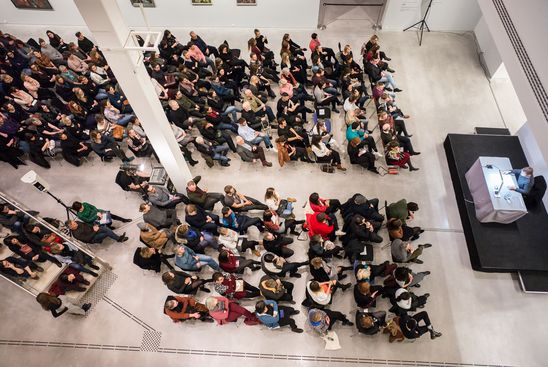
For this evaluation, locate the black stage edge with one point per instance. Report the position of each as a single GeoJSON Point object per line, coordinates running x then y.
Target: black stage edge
{"type": "Point", "coordinates": [494, 247]}
{"type": "Point", "coordinates": [534, 281]}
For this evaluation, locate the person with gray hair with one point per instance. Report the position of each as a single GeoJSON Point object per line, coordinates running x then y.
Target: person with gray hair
{"type": "Point", "coordinates": [404, 252]}
{"type": "Point", "coordinates": [162, 198]}
{"type": "Point", "coordinates": [251, 153]}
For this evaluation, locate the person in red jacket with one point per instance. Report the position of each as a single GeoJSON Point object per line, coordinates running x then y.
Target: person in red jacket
{"type": "Point", "coordinates": [236, 264]}
{"type": "Point", "coordinates": [322, 224]}
{"type": "Point", "coordinates": [230, 286]}
{"type": "Point", "coordinates": [321, 205]}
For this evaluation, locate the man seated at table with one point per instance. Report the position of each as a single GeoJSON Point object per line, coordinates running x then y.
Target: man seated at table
{"type": "Point", "coordinates": [524, 178]}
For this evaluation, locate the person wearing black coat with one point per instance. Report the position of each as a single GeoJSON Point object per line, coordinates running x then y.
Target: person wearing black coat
{"type": "Point", "coordinates": [359, 204]}
{"type": "Point", "coordinates": [359, 155]}
{"type": "Point", "coordinates": [28, 251]}
{"type": "Point", "coordinates": [149, 259]}
{"type": "Point", "coordinates": [364, 230]}
{"type": "Point", "coordinates": [201, 219]}
{"type": "Point", "coordinates": [73, 150]}
{"type": "Point", "coordinates": [277, 244]}
{"type": "Point", "coordinates": [370, 323]}
{"type": "Point", "coordinates": [366, 294]}
{"type": "Point", "coordinates": [412, 330]}
{"type": "Point", "coordinates": [182, 283]}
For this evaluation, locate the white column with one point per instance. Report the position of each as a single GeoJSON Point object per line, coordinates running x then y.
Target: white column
{"type": "Point", "coordinates": [104, 20]}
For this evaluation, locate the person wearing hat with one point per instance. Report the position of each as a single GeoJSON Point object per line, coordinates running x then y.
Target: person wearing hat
{"type": "Point", "coordinates": [153, 237]}
{"type": "Point", "coordinates": [224, 310]}
{"type": "Point", "coordinates": [322, 321]}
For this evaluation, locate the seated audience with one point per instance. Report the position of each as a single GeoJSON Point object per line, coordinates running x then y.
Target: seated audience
{"type": "Point", "coordinates": [93, 233]}
{"type": "Point", "coordinates": [223, 310]}
{"type": "Point", "coordinates": [239, 202]}
{"type": "Point", "coordinates": [274, 316]}
{"type": "Point", "coordinates": [182, 308]}
{"type": "Point", "coordinates": [182, 283]}
{"type": "Point", "coordinates": [230, 286]}
{"type": "Point", "coordinates": [187, 259]}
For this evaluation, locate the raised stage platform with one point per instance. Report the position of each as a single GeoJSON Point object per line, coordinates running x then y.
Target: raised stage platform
{"type": "Point", "coordinates": [493, 247]}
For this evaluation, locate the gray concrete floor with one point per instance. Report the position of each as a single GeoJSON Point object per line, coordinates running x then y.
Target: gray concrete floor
{"type": "Point", "coordinates": [485, 318]}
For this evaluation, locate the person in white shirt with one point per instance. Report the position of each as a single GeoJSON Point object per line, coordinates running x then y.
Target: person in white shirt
{"type": "Point", "coordinates": [236, 243]}
{"type": "Point", "coordinates": [325, 154]}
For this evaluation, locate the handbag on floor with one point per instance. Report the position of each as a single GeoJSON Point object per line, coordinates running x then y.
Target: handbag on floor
{"type": "Point", "coordinates": [327, 168]}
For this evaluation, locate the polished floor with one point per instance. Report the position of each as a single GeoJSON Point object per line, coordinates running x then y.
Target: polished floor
{"type": "Point", "coordinates": [485, 318]}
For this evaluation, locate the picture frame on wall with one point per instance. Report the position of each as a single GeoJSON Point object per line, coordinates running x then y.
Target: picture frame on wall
{"type": "Point", "coordinates": [246, 2]}
{"type": "Point", "coordinates": [32, 4]}
{"type": "Point", "coordinates": [202, 2]}
{"type": "Point", "coordinates": [144, 3]}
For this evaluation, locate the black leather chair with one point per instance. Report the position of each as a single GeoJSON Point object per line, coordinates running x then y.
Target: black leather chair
{"type": "Point", "coordinates": [534, 197]}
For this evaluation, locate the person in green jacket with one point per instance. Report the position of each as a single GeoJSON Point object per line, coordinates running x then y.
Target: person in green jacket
{"type": "Point", "coordinates": [90, 214]}
{"type": "Point", "coordinates": [405, 211]}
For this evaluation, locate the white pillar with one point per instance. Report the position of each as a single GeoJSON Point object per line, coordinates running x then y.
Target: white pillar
{"type": "Point", "coordinates": [104, 20]}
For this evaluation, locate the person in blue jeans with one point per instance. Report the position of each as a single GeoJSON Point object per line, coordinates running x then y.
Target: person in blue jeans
{"type": "Point", "coordinates": [187, 259]}
{"type": "Point", "coordinates": [252, 136]}
{"type": "Point", "coordinates": [93, 233]}
{"type": "Point", "coordinates": [216, 152]}
{"type": "Point", "coordinates": [274, 316]}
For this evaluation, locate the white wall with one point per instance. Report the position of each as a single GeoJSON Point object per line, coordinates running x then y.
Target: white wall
{"type": "Point", "coordinates": [528, 18]}
{"type": "Point", "coordinates": [181, 13]}
{"type": "Point", "coordinates": [225, 13]}
{"type": "Point", "coordinates": [445, 15]}
{"type": "Point", "coordinates": [64, 13]}
{"type": "Point", "coordinates": [488, 48]}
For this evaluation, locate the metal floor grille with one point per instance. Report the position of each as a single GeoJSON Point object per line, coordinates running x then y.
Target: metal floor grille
{"type": "Point", "coordinates": [151, 341]}
{"type": "Point", "coordinates": [99, 289]}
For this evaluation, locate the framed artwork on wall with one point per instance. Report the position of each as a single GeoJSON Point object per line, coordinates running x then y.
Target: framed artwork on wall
{"type": "Point", "coordinates": [246, 2]}
{"type": "Point", "coordinates": [202, 2]}
{"type": "Point", "coordinates": [32, 4]}
{"type": "Point", "coordinates": [145, 3]}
